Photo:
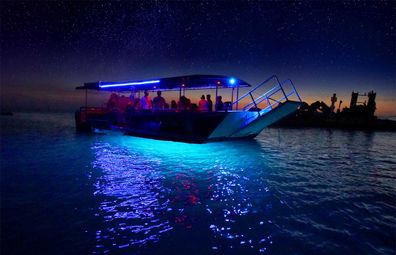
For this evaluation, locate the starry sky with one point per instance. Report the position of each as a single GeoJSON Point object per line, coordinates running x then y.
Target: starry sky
{"type": "Point", "coordinates": [325, 47]}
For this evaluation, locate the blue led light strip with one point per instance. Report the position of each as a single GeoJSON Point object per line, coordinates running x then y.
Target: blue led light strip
{"type": "Point", "coordinates": [129, 84]}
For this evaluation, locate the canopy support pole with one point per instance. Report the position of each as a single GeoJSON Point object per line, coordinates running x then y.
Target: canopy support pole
{"type": "Point", "coordinates": [86, 98]}
{"type": "Point", "coordinates": [237, 98]}
{"type": "Point", "coordinates": [232, 97]}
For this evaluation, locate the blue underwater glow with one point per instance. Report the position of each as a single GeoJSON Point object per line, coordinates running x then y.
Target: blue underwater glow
{"type": "Point", "coordinates": [134, 182]}
{"type": "Point", "coordinates": [311, 191]}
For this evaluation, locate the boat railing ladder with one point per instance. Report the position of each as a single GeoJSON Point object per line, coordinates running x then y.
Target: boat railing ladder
{"type": "Point", "coordinates": [269, 95]}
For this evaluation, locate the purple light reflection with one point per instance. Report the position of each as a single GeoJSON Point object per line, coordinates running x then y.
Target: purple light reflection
{"type": "Point", "coordinates": [154, 192]}
{"type": "Point", "coordinates": [233, 202]}
{"type": "Point", "coordinates": [131, 204]}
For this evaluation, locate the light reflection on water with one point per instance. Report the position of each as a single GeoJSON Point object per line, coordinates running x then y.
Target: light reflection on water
{"type": "Point", "coordinates": [131, 199]}
{"type": "Point", "coordinates": [247, 197]}
{"type": "Point", "coordinates": [148, 188]}
{"type": "Point", "coordinates": [289, 191]}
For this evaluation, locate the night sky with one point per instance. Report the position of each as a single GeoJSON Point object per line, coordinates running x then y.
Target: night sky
{"type": "Point", "coordinates": [49, 48]}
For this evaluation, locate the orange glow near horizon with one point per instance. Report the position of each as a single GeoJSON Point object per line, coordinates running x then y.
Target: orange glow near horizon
{"type": "Point", "coordinates": [68, 100]}
{"type": "Point", "coordinates": [386, 108]}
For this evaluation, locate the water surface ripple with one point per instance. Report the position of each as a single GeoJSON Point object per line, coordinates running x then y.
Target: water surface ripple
{"type": "Point", "coordinates": [289, 191]}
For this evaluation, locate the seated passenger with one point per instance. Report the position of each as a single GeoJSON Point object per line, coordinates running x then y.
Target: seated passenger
{"type": "Point", "coordinates": [173, 105]}
{"type": "Point", "coordinates": [112, 103]}
{"type": "Point", "coordinates": [194, 107]}
{"type": "Point", "coordinates": [227, 106]}
{"type": "Point", "coordinates": [145, 102]}
{"type": "Point", "coordinates": [203, 104]}
{"type": "Point", "coordinates": [182, 105]}
{"type": "Point", "coordinates": [188, 104]}
{"type": "Point", "coordinates": [136, 104]}
{"type": "Point", "coordinates": [123, 103]}
{"type": "Point", "coordinates": [132, 97]}
{"type": "Point", "coordinates": [159, 102]}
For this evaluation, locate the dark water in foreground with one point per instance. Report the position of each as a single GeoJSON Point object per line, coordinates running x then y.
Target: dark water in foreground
{"type": "Point", "coordinates": [289, 191]}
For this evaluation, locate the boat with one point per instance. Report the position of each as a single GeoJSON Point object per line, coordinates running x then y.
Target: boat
{"type": "Point", "coordinates": [245, 115]}
{"type": "Point", "coordinates": [359, 116]}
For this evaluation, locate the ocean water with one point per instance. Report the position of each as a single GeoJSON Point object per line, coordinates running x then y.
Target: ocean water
{"type": "Point", "coordinates": [289, 191]}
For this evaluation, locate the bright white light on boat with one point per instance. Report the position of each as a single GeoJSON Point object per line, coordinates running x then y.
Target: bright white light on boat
{"type": "Point", "coordinates": [129, 84]}
{"type": "Point", "coordinates": [232, 81]}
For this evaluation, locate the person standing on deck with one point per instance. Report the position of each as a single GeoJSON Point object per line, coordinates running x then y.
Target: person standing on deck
{"type": "Point", "coordinates": [203, 104]}
{"type": "Point", "coordinates": [210, 103]}
{"type": "Point", "coordinates": [159, 102]}
{"type": "Point", "coordinates": [219, 104]}
{"type": "Point", "coordinates": [145, 101]}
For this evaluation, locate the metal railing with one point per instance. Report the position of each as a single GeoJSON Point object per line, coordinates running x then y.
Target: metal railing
{"type": "Point", "coordinates": [268, 96]}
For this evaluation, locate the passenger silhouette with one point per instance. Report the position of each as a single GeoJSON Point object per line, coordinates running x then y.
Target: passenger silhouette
{"type": "Point", "coordinates": [159, 102]}
{"type": "Point", "coordinates": [203, 104]}
{"type": "Point", "coordinates": [210, 103]}
{"type": "Point", "coordinates": [219, 104]}
{"type": "Point", "coordinates": [145, 102]}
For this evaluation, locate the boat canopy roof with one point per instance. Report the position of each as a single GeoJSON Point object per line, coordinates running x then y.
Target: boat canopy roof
{"type": "Point", "coordinates": [187, 82]}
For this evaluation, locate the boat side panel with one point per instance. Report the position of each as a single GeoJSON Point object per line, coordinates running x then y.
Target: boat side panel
{"type": "Point", "coordinates": [232, 123]}
{"type": "Point", "coordinates": [255, 127]}
{"type": "Point", "coordinates": [184, 126]}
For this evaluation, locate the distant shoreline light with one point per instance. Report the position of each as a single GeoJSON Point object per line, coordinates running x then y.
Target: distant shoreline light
{"type": "Point", "coordinates": [129, 84]}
